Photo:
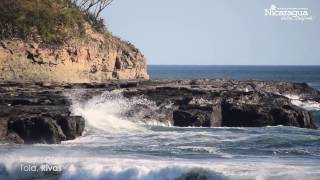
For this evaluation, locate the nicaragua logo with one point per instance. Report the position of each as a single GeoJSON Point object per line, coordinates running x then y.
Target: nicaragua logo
{"type": "Point", "coordinates": [295, 14]}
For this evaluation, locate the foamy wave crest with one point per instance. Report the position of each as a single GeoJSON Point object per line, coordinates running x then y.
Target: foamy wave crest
{"type": "Point", "coordinates": [111, 112]}
{"type": "Point", "coordinates": [141, 173]}
{"type": "Point", "coordinates": [210, 150]}
{"type": "Point", "coordinates": [307, 105]}
{"type": "Point", "coordinates": [133, 169]}
{"type": "Point", "coordinates": [113, 172]}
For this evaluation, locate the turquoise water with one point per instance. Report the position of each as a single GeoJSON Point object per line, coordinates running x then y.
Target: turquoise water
{"type": "Point", "coordinates": [118, 147]}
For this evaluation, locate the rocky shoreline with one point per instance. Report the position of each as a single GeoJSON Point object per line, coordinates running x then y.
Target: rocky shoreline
{"type": "Point", "coordinates": [40, 112]}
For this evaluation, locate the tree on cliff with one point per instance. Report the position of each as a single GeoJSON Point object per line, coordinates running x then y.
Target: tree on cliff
{"type": "Point", "coordinates": [93, 7]}
{"type": "Point", "coordinates": [50, 20]}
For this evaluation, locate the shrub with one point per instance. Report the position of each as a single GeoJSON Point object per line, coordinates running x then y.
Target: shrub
{"type": "Point", "coordinates": [52, 20]}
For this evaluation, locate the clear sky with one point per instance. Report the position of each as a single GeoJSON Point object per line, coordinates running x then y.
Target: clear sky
{"type": "Point", "coordinates": [217, 32]}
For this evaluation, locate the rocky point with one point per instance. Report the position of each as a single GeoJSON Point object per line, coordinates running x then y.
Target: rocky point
{"type": "Point", "coordinates": [39, 112]}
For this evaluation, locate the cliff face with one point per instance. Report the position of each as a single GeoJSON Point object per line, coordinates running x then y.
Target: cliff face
{"type": "Point", "coordinates": [95, 58]}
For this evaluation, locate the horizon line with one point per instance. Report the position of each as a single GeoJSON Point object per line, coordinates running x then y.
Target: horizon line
{"type": "Point", "coordinates": [232, 65]}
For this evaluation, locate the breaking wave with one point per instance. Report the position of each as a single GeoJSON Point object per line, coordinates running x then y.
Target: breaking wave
{"type": "Point", "coordinates": [307, 105]}
{"type": "Point", "coordinates": [133, 169]}
{"type": "Point", "coordinates": [112, 112]}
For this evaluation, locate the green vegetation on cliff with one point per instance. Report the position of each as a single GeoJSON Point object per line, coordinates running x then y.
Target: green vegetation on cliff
{"type": "Point", "coordinates": [46, 20]}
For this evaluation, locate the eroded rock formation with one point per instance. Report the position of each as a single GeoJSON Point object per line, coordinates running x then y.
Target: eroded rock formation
{"type": "Point", "coordinates": [33, 114]}
{"type": "Point", "coordinates": [95, 58]}
{"type": "Point", "coordinates": [39, 112]}
{"type": "Point", "coordinates": [229, 103]}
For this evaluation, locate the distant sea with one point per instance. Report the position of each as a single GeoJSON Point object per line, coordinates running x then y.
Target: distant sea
{"type": "Point", "coordinates": [308, 74]}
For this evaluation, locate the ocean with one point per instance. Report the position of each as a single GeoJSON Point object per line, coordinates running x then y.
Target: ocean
{"type": "Point", "coordinates": [308, 74]}
{"type": "Point", "coordinates": [115, 148]}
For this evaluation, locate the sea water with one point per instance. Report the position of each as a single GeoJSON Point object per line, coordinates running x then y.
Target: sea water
{"type": "Point", "coordinates": [115, 146]}
{"type": "Point", "coordinates": [308, 74]}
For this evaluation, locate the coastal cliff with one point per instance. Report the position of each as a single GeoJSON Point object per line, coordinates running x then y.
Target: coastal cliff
{"type": "Point", "coordinates": [55, 41]}
{"type": "Point", "coordinates": [95, 59]}
{"type": "Point", "coordinates": [70, 49]}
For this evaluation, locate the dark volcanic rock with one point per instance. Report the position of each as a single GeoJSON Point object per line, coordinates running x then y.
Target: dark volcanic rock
{"type": "Point", "coordinates": [14, 138]}
{"type": "Point", "coordinates": [39, 112]}
{"type": "Point", "coordinates": [216, 103]}
{"type": "Point", "coordinates": [72, 126]}
{"type": "Point", "coordinates": [203, 115]}
{"type": "Point", "coordinates": [36, 113]}
{"type": "Point", "coordinates": [192, 116]}
{"type": "Point", "coordinates": [242, 109]}
{"type": "Point", "coordinates": [257, 109]}
{"type": "Point", "coordinates": [46, 128]}
{"type": "Point", "coordinates": [36, 129]}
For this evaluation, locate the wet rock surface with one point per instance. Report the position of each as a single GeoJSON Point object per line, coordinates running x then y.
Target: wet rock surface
{"type": "Point", "coordinates": [229, 103]}
{"type": "Point", "coordinates": [39, 112]}
{"type": "Point", "coordinates": [35, 113]}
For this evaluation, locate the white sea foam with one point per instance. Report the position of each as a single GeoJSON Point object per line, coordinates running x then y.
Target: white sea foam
{"type": "Point", "coordinates": [308, 105]}
{"type": "Point", "coordinates": [156, 169]}
{"type": "Point", "coordinates": [108, 112]}
{"type": "Point", "coordinates": [210, 150]}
